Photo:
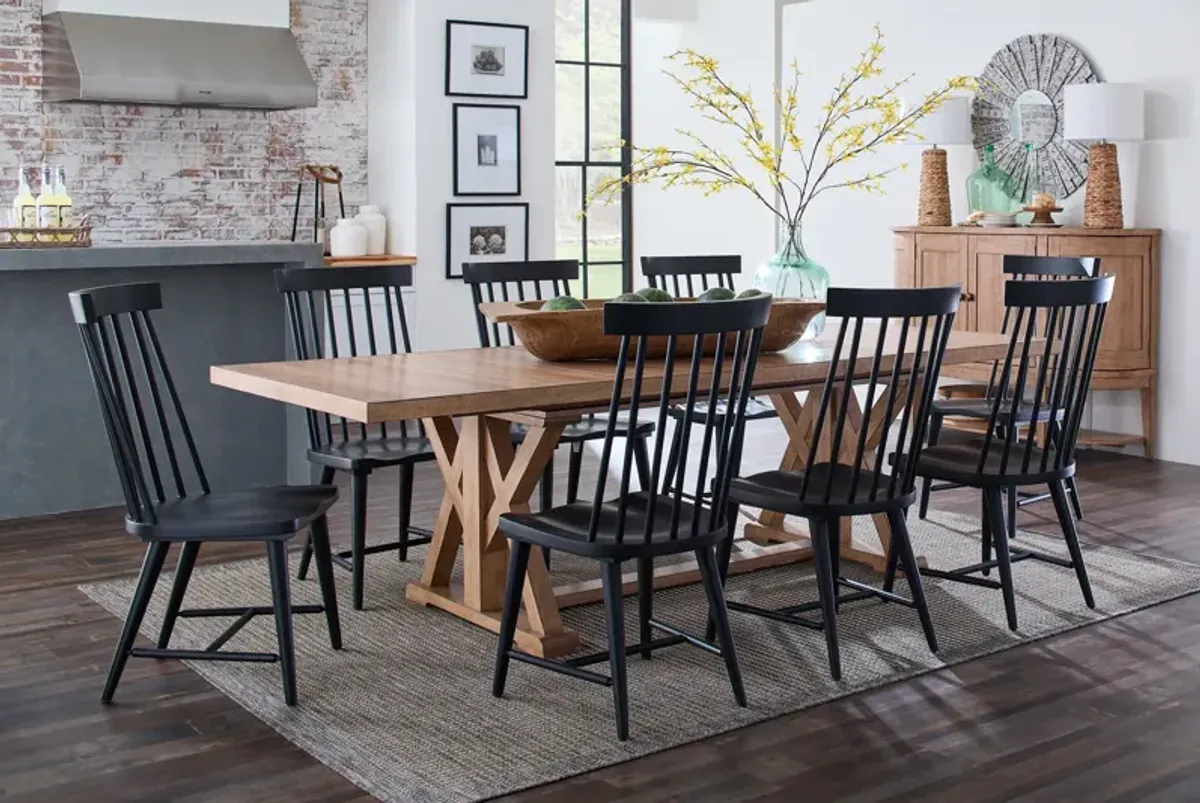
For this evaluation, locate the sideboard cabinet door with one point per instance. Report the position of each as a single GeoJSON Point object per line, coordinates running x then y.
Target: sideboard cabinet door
{"type": "Point", "coordinates": [987, 274]}
{"type": "Point", "coordinates": [942, 259]}
{"type": "Point", "coordinates": [1127, 342]}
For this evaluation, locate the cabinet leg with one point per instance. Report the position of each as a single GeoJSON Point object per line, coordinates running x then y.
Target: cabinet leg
{"type": "Point", "coordinates": [1150, 415]}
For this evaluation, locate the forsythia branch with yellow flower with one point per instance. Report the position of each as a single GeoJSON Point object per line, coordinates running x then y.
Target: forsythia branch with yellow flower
{"type": "Point", "coordinates": [856, 120]}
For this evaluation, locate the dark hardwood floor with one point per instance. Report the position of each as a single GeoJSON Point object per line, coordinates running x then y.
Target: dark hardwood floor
{"type": "Point", "coordinates": [1107, 713]}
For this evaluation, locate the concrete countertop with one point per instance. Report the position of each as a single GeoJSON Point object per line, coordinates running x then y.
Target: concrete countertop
{"type": "Point", "coordinates": [160, 255]}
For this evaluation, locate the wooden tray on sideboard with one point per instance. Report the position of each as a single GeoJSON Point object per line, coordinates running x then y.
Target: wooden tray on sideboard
{"type": "Point", "coordinates": [579, 334]}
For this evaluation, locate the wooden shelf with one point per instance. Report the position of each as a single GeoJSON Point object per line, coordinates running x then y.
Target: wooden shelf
{"type": "Point", "coordinates": [1093, 437]}
{"type": "Point", "coordinates": [1087, 437]}
{"type": "Point", "coordinates": [384, 260]}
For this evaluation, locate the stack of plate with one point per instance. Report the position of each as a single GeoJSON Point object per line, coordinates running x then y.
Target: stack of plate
{"type": "Point", "coordinates": [999, 220]}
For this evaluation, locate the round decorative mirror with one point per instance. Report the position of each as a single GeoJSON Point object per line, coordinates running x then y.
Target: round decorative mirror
{"type": "Point", "coordinates": [1019, 110]}
{"type": "Point", "coordinates": [1034, 119]}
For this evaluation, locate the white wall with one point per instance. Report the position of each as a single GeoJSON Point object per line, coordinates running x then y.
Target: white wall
{"type": "Point", "coordinates": [681, 220]}
{"type": "Point", "coordinates": [1151, 41]}
{"type": "Point", "coordinates": [410, 145]}
{"type": "Point", "coordinates": [271, 13]}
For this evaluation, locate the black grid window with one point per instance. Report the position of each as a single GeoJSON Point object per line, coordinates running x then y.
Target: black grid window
{"type": "Point", "coordinates": [593, 116]}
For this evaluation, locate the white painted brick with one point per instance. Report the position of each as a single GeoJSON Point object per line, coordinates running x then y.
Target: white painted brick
{"type": "Point", "coordinates": [147, 173]}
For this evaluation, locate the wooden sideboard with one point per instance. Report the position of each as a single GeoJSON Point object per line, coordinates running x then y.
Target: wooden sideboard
{"type": "Point", "coordinates": [973, 257]}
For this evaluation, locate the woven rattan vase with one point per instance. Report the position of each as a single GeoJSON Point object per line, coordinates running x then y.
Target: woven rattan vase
{"type": "Point", "coordinates": [934, 206]}
{"type": "Point", "coordinates": [1102, 209]}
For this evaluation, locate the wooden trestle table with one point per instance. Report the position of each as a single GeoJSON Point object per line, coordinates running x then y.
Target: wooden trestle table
{"type": "Point", "coordinates": [486, 476]}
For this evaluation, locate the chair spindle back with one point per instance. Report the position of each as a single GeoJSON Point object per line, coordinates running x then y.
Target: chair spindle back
{"type": "Point", "coordinates": [735, 328]}
{"type": "Point", "coordinates": [1059, 368]}
{"type": "Point", "coordinates": [913, 323]}
{"type": "Point", "coordinates": [143, 416]}
{"type": "Point", "coordinates": [1022, 268]}
{"type": "Point", "coordinates": [698, 273]}
{"type": "Point", "coordinates": [314, 299]}
{"type": "Point", "coordinates": [514, 281]}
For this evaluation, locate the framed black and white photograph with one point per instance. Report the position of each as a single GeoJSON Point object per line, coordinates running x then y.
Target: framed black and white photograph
{"type": "Point", "coordinates": [487, 59]}
{"type": "Point", "coordinates": [487, 150]}
{"type": "Point", "coordinates": [495, 232]}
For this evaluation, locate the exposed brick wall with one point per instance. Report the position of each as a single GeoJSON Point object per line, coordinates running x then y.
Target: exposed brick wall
{"type": "Point", "coordinates": [155, 173]}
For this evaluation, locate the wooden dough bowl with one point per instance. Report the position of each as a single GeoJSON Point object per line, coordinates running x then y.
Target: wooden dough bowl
{"type": "Point", "coordinates": [579, 334]}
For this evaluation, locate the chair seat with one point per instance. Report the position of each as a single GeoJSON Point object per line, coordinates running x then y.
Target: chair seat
{"type": "Point", "coordinates": [590, 429]}
{"type": "Point", "coordinates": [565, 528]}
{"type": "Point", "coordinates": [959, 463]}
{"type": "Point", "coordinates": [779, 491]}
{"type": "Point", "coordinates": [258, 514]}
{"type": "Point", "coordinates": [756, 410]}
{"type": "Point", "coordinates": [371, 453]}
{"type": "Point", "coordinates": [982, 408]}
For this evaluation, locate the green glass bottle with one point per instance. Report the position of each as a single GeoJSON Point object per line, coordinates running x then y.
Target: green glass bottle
{"type": "Point", "coordinates": [988, 187]}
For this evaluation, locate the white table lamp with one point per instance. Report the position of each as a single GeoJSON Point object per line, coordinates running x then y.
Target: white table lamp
{"type": "Point", "coordinates": [950, 124]}
{"type": "Point", "coordinates": [1105, 113]}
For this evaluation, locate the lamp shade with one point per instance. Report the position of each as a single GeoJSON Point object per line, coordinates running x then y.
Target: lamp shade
{"type": "Point", "coordinates": [950, 124]}
{"type": "Point", "coordinates": [1115, 112]}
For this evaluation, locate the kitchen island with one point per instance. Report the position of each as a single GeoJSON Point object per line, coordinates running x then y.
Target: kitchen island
{"type": "Point", "coordinates": [220, 306]}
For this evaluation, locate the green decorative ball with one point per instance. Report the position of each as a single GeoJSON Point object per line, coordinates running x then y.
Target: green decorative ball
{"type": "Point", "coordinates": [716, 294]}
{"type": "Point", "coordinates": [751, 293]}
{"type": "Point", "coordinates": [629, 298]}
{"type": "Point", "coordinates": [563, 304]}
{"type": "Point", "coordinates": [655, 295]}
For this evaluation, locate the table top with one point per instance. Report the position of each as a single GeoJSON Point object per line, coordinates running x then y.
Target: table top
{"type": "Point", "coordinates": [507, 380]}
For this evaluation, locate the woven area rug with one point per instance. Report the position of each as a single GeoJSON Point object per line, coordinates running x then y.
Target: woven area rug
{"type": "Point", "coordinates": [405, 710]}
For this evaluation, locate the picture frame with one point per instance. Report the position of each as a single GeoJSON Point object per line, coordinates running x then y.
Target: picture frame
{"type": "Point", "coordinates": [487, 59]}
{"type": "Point", "coordinates": [485, 232]}
{"type": "Point", "coordinates": [487, 150]}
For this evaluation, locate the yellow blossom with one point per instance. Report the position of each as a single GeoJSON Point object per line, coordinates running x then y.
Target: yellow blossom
{"type": "Point", "coordinates": [860, 115]}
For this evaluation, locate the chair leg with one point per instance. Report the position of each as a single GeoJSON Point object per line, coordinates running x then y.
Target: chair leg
{"type": "Point", "coordinates": [518, 562]}
{"type": "Point", "coordinates": [641, 459]}
{"type": "Point", "coordinates": [902, 545]}
{"type": "Point", "coordinates": [995, 510]}
{"type": "Point", "coordinates": [282, 599]}
{"type": "Point", "coordinates": [358, 536]}
{"type": "Point", "coordinates": [1073, 494]}
{"type": "Point", "coordinates": [547, 491]}
{"type": "Point", "coordinates": [985, 543]}
{"type": "Point", "coordinates": [645, 582]}
{"type": "Point", "coordinates": [156, 555]}
{"type": "Point", "coordinates": [547, 485]}
{"type": "Point", "coordinates": [935, 432]}
{"type": "Point", "coordinates": [834, 529]}
{"type": "Point", "coordinates": [724, 553]}
{"type": "Point", "coordinates": [319, 532]}
{"type": "Point", "coordinates": [828, 591]}
{"type": "Point", "coordinates": [673, 457]}
{"type": "Point", "coordinates": [306, 556]}
{"type": "Point", "coordinates": [1011, 518]}
{"type": "Point", "coordinates": [893, 562]}
{"type": "Point", "coordinates": [406, 492]}
{"type": "Point", "coordinates": [183, 574]}
{"type": "Point", "coordinates": [1072, 538]}
{"type": "Point", "coordinates": [574, 470]}
{"type": "Point", "coordinates": [327, 475]}
{"type": "Point", "coordinates": [718, 614]}
{"type": "Point", "coordinates": [614, 607]}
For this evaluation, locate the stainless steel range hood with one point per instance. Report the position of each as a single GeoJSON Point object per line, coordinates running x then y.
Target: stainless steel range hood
{"type": "Point", "coordinates": [109, 59]}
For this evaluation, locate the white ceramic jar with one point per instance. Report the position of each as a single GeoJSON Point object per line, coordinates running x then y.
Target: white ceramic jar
{"type": "Point", "coordinates": [375, 223]}
{"type": "Point", "coordinates": [348, 239]}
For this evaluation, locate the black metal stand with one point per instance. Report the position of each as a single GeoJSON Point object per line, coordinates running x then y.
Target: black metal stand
{"type": "Point", "coordinates": [321, 175]}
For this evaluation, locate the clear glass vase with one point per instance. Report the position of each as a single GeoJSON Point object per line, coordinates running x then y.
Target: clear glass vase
{"type": "Point", "coordinates": [792, 274]}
